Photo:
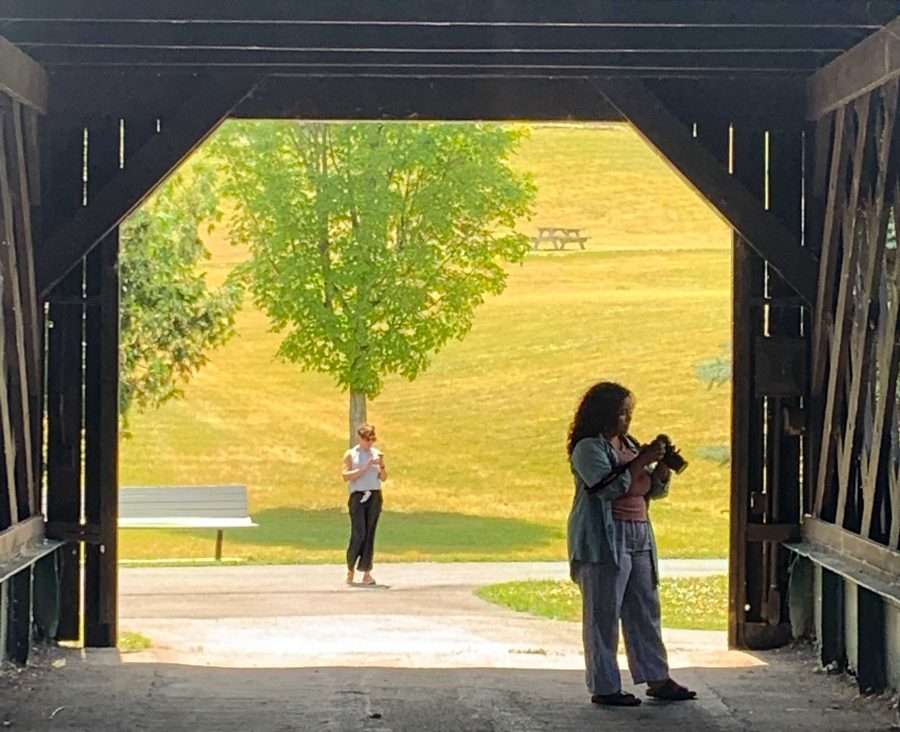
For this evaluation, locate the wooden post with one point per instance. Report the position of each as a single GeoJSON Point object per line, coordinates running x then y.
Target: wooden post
{"type": "Point", "coordinates": [101, 441]}
{"type": "Point", "coordinates": [832, 642]}
{"type": "Point", "coordinates": [219, 537]}
{"type": "Point", "coordinates": [748, 458]}
{"type": "Point", "coordinates": [19, 618]}
{"type": "Point", "coordinates": [871, 674]}
{"type": "Point", "coordinates": [64, 419]}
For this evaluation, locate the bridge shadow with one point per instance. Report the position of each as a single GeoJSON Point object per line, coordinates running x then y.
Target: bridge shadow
{"type": "Point", "coordinates": [779, 693]}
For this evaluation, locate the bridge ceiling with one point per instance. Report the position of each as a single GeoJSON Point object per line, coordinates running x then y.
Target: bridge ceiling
{"type": "Point", "coordinates": [649, 38]}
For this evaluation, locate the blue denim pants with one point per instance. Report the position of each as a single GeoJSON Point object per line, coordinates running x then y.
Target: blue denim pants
{"type": "Point", "coordinates": [625, 593]}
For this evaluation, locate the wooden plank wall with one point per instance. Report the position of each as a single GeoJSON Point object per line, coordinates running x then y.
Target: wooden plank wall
{"type": "Point", "coordinates": [855, 400]}
{"type": "Point", "coordinates": [21, 339]}
{"type": "Point", "coordinates": [22, 323]}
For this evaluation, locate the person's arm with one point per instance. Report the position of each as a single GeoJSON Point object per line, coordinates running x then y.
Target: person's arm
{"type": "Point", "coordinates": [349, 473]}
{"type": "Point", "coordinates": [591, 462]}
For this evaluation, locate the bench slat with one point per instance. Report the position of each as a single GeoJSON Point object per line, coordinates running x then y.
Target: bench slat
{"type": "Point", "coordinates": [181, 522]}
{"type": "Point", "coordinates": [213, 506]}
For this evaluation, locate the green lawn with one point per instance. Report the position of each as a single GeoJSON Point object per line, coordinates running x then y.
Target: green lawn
{"type": "Point", "coordinates": [476, 445]}
{"type": "Point", "coordinates": [698, 603]}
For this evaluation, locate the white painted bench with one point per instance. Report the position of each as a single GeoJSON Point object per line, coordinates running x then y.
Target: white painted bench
{"type": "Point", "coordinates": [185, 507]}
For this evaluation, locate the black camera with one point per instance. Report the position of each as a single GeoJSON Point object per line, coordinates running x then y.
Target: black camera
{"type": "Point", "coordinates": [672, 456]}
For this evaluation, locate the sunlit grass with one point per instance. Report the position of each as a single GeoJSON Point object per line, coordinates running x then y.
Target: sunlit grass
{"type": "Point", "coordinates": [698, 603]}
{"type": "Point", "coordinates": [475, 446]}
{"type": "Point", "coordinates": [130, 642]}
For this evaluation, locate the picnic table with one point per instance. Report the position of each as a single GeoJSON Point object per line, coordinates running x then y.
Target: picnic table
{"type": "Point", "coordinates": [558, 237]}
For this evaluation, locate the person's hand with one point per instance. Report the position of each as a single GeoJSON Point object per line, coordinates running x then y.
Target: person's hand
{"type": "Point", "coordinates": [662, 472]}
{"type": "Point", "coordinates": [651, 453]}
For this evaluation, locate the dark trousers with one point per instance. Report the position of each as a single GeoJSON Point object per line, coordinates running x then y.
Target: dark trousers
{"type": "Point", "coordinates": [363, 522]}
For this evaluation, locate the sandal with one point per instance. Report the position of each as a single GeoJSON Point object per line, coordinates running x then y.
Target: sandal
{"type": "Point", "coordinates": [619, 699]}
{"type": "Point", "coordinates": [669, 690]}
{"type": "Point", "coordinates": [369, 581]}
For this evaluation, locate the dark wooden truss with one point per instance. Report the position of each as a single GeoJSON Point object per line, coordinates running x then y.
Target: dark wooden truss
{"type": "Point", "coordinates": [781, 113]}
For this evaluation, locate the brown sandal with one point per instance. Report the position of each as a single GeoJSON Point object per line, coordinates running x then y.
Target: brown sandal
{"type": "Point", "coordinates": [671, 691]}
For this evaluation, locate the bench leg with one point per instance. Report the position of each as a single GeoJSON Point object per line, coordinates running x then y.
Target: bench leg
{"type": "Point", "coordinates": [219, 534]}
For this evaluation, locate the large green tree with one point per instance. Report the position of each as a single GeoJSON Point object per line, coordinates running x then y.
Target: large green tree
{"type": "Point", "coordinates": [171, 317]}
{"type": "Point", "coordinates": [372, 244]}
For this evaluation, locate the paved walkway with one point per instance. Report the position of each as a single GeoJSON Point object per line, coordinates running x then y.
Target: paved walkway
{"type": "Point", "coordinates": [304, 615]}
{"type": "Point", "coordinates": [278, 649]}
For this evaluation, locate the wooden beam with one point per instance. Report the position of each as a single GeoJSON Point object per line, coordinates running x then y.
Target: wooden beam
{"type": "Point", "coordinates": [74, 532]}
{"type": "Point", "coordinates": [22, 77]}
{"type": "Point", "coordinates": [776, 533]}
{"type": "Point", "coordinates": [742, 150]}
{"type": "Point", "coordinates": [866, 66]}
{"type": "Point", "coordinates": [65, 370]}
{"type": "Point", "coordinates": [741, 404]}
{"type": "Point", "coordinates": [17, 536]}
{"type": "Point", "coordinates": [27, 158]}
{"type": "Point", "coordinates": [27, 164]}
{"type": "Point", "coordinates": [183, 133]}
{"type": "Point", "coordinates": [449, 60]}
{"type": "Point", "coordinates": [828, 251]}
{"type": "Point", "coordinates": [33, 153]}
{"type": "Point", "coordinates": [847, 544]}
{"type": "Point", "coordinates": [9, 439]}
{"type": "Point", "coordinates": [735, 204]}
{"type": "Point", "coordinates": [15, 307]}
{"type": "Point", "coordinates": [685, 13]}
{"type": "Point", "coordinates": [101, 443]}
{"type": "Point", "coordinates": [293, 97]}
{"type": "Point", "coordinates": [627, 39]}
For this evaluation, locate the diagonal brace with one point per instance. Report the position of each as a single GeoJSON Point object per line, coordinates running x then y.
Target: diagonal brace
{"type": "Point", "coordinates": [743, 211]}
{"type": "Point", "coordinates": [192, 123]}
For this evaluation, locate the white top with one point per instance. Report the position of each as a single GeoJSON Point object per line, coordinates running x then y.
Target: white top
{"type": "Point", "coordinates": [368, 481]}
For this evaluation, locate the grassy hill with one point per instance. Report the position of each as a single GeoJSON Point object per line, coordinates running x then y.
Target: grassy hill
{"type": "Point", "coordinates": [476, 445]}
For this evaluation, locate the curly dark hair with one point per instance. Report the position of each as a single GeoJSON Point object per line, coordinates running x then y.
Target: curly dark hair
{"type": "Point", "coordinates": [598, 412]}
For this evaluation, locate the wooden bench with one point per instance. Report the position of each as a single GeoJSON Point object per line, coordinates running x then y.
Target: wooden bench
{"type": "Point", "coordinates": [185, 507]}
{"type": "Point", "coordinates": [558, 237]}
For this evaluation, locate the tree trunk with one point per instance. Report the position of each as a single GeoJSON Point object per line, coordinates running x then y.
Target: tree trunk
{"type": "Point", "coordinates": [357, 413]}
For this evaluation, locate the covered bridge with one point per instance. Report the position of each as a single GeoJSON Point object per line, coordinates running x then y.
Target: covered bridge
{"type": "Point", "coordinates": [781, 113]}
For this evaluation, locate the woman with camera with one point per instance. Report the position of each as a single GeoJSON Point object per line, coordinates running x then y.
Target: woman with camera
{"type": "Point", "coordinates": [612, 552]}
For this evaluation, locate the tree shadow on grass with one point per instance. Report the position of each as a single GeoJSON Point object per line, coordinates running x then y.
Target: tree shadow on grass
{"type": "Point", "coordinates": [423, 533]}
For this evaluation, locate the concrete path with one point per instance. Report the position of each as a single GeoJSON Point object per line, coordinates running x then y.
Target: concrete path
{"type": "Point", "coordinates": [278, 649]}
{"type": "Point", "coordinates": [420, 615]}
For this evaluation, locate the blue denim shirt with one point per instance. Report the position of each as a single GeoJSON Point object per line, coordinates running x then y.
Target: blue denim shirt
{"type": "Point", "coordinates": [591, 529]}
